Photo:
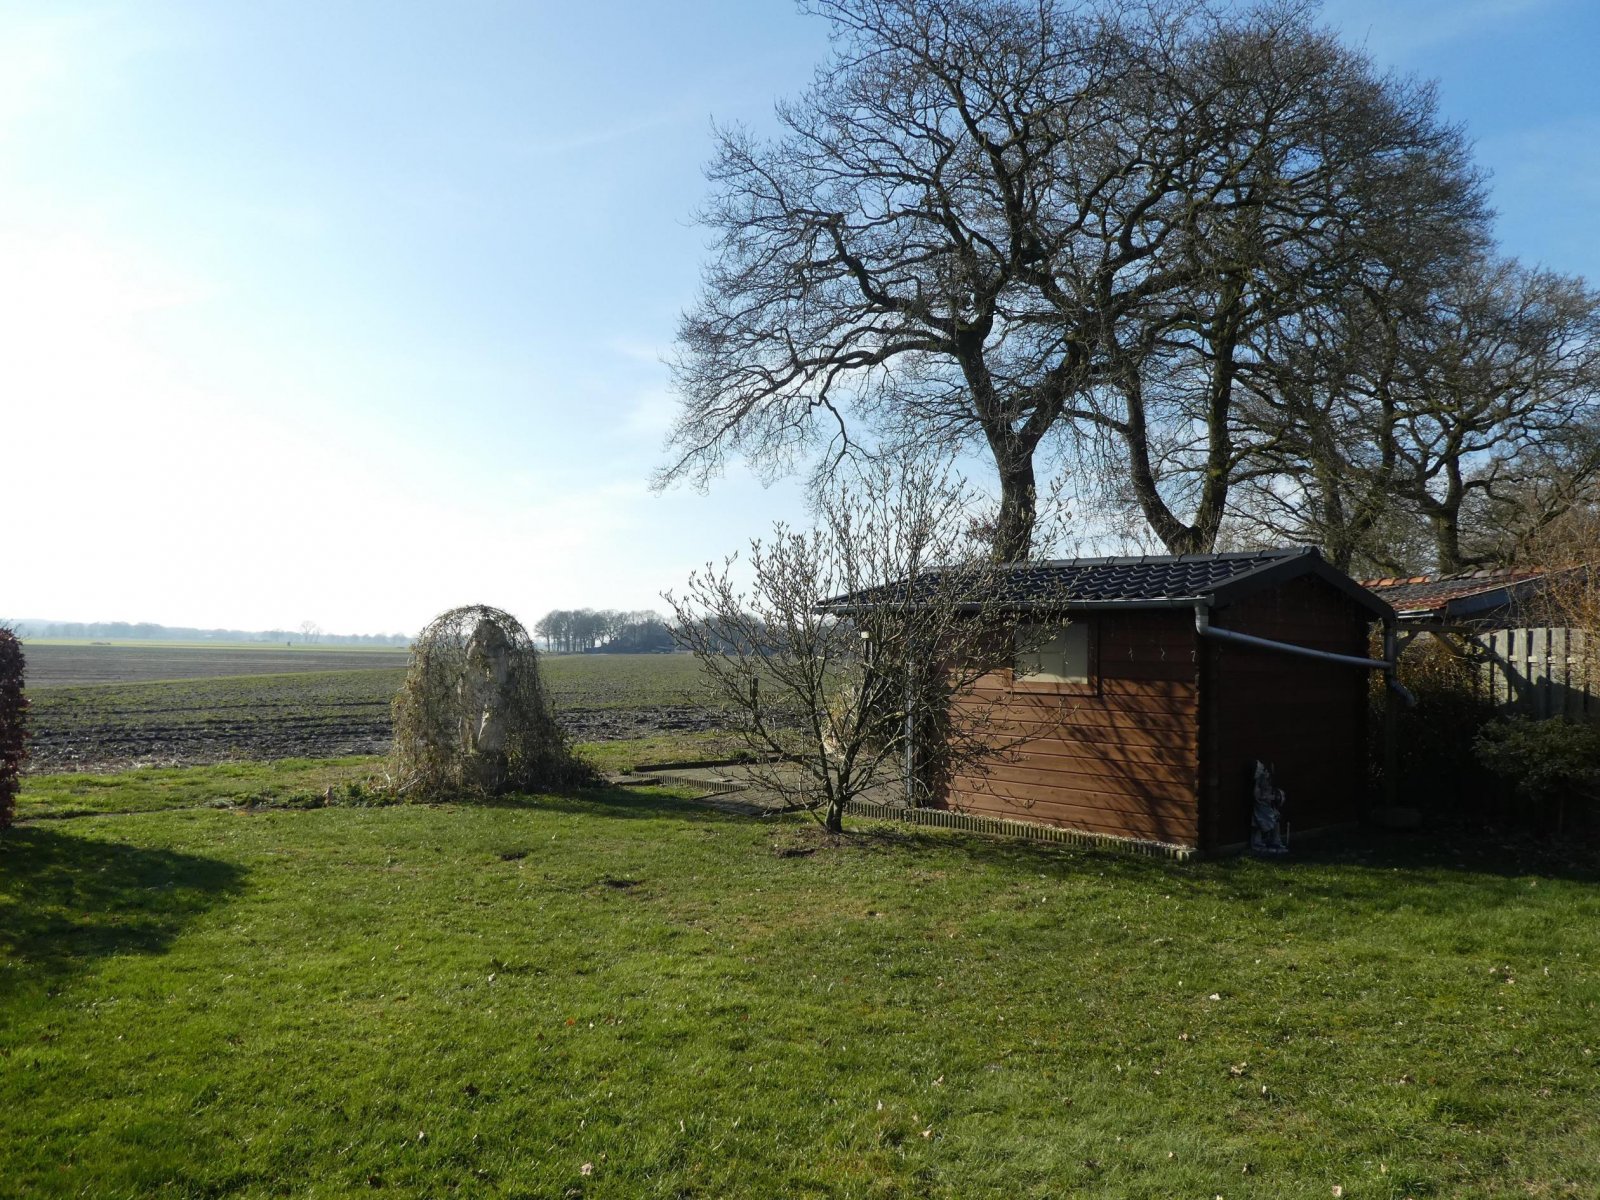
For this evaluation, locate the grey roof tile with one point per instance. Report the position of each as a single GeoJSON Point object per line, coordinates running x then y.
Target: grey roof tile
{"type": "Point", "coordinates": [1087, 583]}
{"type": "Point", "coordinates": [1147, 577]}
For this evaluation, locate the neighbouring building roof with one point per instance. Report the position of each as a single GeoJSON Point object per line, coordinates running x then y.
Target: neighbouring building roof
{"type": "Point", "coordinates": [1148, 581]}
{"type": "Point", "coordinates": [1465, 595]}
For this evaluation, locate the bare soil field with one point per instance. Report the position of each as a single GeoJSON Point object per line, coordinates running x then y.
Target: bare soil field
{"type": "Point", "coordinates": [206, 717]}
{"type": "Point", "coordinates": [52, 664]}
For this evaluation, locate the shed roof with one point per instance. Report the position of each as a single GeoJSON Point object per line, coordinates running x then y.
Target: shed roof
{"type": "Point", "coordinates": [1150, 581]}
{"type": "Point", "coordinates": [1463, 595]}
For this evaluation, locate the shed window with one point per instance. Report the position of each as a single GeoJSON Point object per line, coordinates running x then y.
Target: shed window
{"type": "Point", "coordinates": [1053, 653]}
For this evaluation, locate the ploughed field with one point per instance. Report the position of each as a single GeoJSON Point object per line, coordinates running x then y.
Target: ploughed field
{"type": "Point", "coordinates": [64, 664]}
{"type": "Point", "coordinates": [172, 706]}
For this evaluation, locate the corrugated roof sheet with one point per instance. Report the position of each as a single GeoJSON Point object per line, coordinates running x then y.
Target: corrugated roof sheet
{"type": "Point", "coordinates": [1428, 593]}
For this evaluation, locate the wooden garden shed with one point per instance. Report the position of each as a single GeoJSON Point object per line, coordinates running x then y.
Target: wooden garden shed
{"type": "Point", "coordinates": [1158, 682]}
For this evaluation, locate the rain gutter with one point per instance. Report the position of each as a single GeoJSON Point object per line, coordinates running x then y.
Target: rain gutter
{"type": "Point", "coordinates": [1204, 627]}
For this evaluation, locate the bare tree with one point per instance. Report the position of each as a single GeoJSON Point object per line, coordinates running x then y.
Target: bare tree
{"type": "Point", "coordinates": [1320, 409]}
{"type": "Point", "coordinates": [546, 627]}
{"type": "Point", "coordinates": [1504, 381]}
{"type": "Point", "coordinates": [881, 265]}
{"type": "Point", "coordinates": [991, 222]}
{"type": "Point", "coordinates": [1299, 176]}
{"type": "Point", "coordinates": [1460, 417]}
{"type": "Point", "coordinates": [571, 630]}
{"type": "Point", "coordinates": [843, 655]}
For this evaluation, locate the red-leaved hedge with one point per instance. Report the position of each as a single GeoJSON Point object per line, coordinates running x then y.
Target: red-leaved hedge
{"type": "Point", "coordinates": [13, 723]}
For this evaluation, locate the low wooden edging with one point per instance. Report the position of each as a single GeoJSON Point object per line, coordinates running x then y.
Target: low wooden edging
{"type": "Point", "coordinates": [1027, 831]}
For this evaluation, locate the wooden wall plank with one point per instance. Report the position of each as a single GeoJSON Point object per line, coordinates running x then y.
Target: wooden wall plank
{"type": "Point", "coordinates": [1122, 761]}
{"type": "Point", "coordinates": [1119, 758]}
{"type": "Point", "coordinates": [1138, 789]}
{"type": "Point", "coordinates": [1306, 717]}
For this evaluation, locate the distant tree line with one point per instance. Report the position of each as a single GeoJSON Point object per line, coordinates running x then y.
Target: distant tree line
{"type": "Point", "coordinates": [146, 631]}
{"type": "Point", "coordinates": [588, 630]}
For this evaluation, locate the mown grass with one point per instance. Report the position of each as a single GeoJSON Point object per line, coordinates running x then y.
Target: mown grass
{"type": "Point", "coordinates": [481, 1001]}
{"type": "Point", "coordinates": [677, 746]}
{"type": "Point", "coordinates": [281, 782]}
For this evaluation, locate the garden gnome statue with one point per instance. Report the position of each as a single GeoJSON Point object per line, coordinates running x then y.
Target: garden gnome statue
{"type": "Point", "coordinates": [1266, 822]}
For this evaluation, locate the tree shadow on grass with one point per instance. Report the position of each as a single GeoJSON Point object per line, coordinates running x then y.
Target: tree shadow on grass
{"type": "Point", "coordinates": [1369, 871]}
{"type": "Point", "coordinates": [68, 900]}
{"type": "Point", "coordinates": [1443, 870]}
{"type": "Point", "coordinates": [627, 803]}
{"type": "Point", "coordinates": [1458, 848]}
{"type": "Point", "coordinates": [1439, 871]}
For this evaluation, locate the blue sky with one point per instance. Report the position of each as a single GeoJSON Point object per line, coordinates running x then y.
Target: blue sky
{"type": "Point", "coordinates": [353, 312]}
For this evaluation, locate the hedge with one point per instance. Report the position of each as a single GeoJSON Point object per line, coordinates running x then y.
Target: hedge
{"type": "Point", "coordinates": [13, 723]}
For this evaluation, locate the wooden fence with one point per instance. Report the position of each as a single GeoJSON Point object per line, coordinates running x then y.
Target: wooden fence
{"type": "Point", "coordinates": [1540, 672]}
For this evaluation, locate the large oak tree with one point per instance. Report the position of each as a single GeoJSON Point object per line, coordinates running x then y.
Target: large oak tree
{"type": "Point", "coordinates": [1441, 425]}
{"type": "Point", "coordinates": [990, 224]}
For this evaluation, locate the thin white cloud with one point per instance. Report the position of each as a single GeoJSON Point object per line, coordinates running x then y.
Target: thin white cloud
{"type": "Point", "coordinates": [651, 414]}
{"type": "Point", "coordinates": [621, 131]}
{"type": "Point", "coordinates": [642, 352]}
{"type": "Point", "coordinates": [1396, 32]}
{"type": "Point", "coordinates": [57, 60]}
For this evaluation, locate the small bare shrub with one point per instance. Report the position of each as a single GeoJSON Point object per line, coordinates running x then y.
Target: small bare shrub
{"type": "Point", "coordinates": [849, 662]}
{"type": "Point", "coordinates": [13, 723]}
{"type": "Point", "coordinates": [472, 718]}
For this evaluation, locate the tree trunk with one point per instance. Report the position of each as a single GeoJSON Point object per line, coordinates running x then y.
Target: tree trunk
{"type": "Point", "coordinates": [1447, 542]}
{"type": "Point", "coordinates": [1013, 532]}
{"type": "Point", "coordinates": [1012, 449]}
{"type": "Point", "coordinates": [834, 821]}
{"type": "Point", "coordinates": [1445, 517]}
{"type": "Point", "coordinates": [1175, 535]}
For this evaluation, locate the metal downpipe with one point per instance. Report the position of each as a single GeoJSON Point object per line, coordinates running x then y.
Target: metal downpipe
{"type": "Point", "coordinates": [1203, 627]}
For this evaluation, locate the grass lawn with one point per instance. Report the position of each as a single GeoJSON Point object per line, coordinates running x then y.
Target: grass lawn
{"type": "Point", "coordinates": [620, 995]}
